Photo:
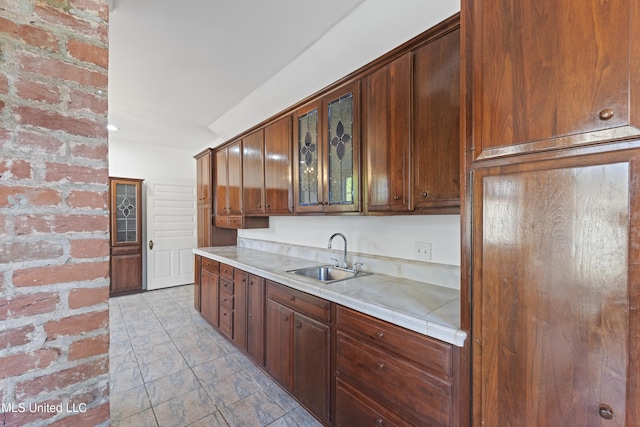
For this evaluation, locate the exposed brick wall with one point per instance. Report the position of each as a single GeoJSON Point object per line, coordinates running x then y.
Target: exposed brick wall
{"type": "Point", "coordinates": [54, 247]}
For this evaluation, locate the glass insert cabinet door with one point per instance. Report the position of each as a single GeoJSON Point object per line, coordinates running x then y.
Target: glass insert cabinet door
{"type": "Point", "coordinates": [327, 153]}
{"type": "Point", "coordinates": [125, 199]}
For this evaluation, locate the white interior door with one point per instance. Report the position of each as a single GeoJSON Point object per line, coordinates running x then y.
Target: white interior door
{"type": "Point", "coordinates": [171, 233]}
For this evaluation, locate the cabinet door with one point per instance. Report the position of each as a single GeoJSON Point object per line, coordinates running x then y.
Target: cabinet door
{"type": "Point", "coordinates": [342, 149]}
{"type": "Point", "coordinates": [204, 225]}
{"type": "Point", "coordinates": [126, 273]}
{"type": "Point", "coordinates": [203, 177]}
{"type": "Point", "coordinates": [222, 182]}
{"type": "Point", "coordinates": [234, 159]}
{"type": "Point", "coordinates": [277, 167]}
{"type": "Point", "coordinates": [255, 319]}
{"type": "Point", "coordinates": [308, 159]}
{"type": "Point", "coordinates": [197, 261]}
{"type": "Point", "coordinates": [387, 132]}
{"type": "Point", "coordinates": [311, 365]}
{"type": "Point", "coordinates": [209, 289]}
{"type": "Point", "coordinates": [436, 124]}
{"type": "Point", "coordinates": [240, 289]}
{"type": "Point", "coordinates": [554, 282]}
{"type": "Point", "coordinates": [279, 344]}
{"type": "Point", "coordinates": [560, 73]}
{"type": "Point", "coordinates": [253, 173]}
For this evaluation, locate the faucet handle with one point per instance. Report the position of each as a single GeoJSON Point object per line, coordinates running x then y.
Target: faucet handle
{"type": "Point", "coordinates": [335, 262]}
{"type": "Point", "coordinates": [355, 266]}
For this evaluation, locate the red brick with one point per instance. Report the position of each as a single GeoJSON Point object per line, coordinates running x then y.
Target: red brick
{"type": "Point", "coordinates": [21, 169]}
{"type": "Point", "coordinates": [4, 84]}
{"type": "Point", "coordinates": [87, 101]}
{"type": "Point", "coordinates": [15, 337]}
{"type": "Point", "coordinates": [50, 120]}
{"type": "Point", "coordinates": [98, 8]}
{"type": "Point", "coordinates": [95, 152]}
{"type": "Point", "coordinates": [76, 325]}
{"type": "Point", "coordinates": [89, 248]}
{"type": "Point", "coordinates": [88, 52]}
{"type": "Point", "coordinates": [40, 143]}
{"type": "Point", "coordinates": [61, 17]}
{"type": "Point", "coordinates": [86, 297]}
{"type": "Point", "coordinates": [60, 224]}
{"type": "Point", "coordinates": [29, 196]}
{"type": "Point", "coordinates": [28, 305]}
{"type": "Point", "coordinates": [75, 173]}
{"type": "Point", "coordinates": [29, 34]}
{"type": "Point", "coordinates": [40, 276]}
{"type": "Point", "coordinates": [28, 251]}
{"type": "Point", "coordinates": [92, 417]}
{"type": "Point", "coordinates": [28, 417]}
{"type": "Point", "coordinates": [89, 347]}
{"type": "Point", "coordinates": [87, 199]}
{"type": "Point", "coordinates": [21, 363]}
{"type": "Point", "coordinates": [37, 91]}
{"type": "Point", "coordinates": [50, 67]}
{"type": "Point", "coordinates": [61, 379]}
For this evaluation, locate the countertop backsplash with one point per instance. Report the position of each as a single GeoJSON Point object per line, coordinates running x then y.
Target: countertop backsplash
{"type": "Point", "coordinates": [437, 274]}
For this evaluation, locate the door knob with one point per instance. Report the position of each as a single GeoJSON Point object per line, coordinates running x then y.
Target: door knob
{"type": "Point", "coordinates": [151, 244]}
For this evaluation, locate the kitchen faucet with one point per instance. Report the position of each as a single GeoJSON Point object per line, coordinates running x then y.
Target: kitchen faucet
{"type": "Point", "coordinates": [344, 262]}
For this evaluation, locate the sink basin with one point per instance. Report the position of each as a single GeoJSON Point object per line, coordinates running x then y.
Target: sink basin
{"type": "Point", "coordinates": [327, 273]}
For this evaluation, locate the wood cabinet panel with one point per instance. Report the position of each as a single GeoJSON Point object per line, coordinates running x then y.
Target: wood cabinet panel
{"type": "Point", "coordinates": [387, 134]}
{"type": "Point", "coordinates": [255, 318]}
{"type": "Point", "coordinates": [278, 167]}
{"type": "Point", "coordinates": [209, 290]}
{"type": "Point", "coordinates": [126, 273]}
{"type": "Point", "coordinates": [311, 374]}
{"type": "Point", "coordinates": [253, 166]}
{"type": "Point", "coordinates": [197, 268]}
{"type": "Point", "coordinates": [240, 289]}
{"type": "Point", "coordinates": [409, 391]}
{"type": "Point", "coordinates": [436, 123]}
{"type": "Point", "coordinates": [531, 91]}
{"type": "Point", "coordinates": [222, 184]}
{"type": "Point", "coordinates": [279, 343]}
{"type": "Point", "coordinates": [554, 285]}
{"type": "Point", "coordinates": [310, 305]}
{"type": "Point", "coordinates": [354, 408]}
{"type": "Point", "coordinates": [234, 157]}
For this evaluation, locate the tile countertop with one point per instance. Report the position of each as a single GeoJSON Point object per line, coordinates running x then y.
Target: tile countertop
{"type": "Point", "coordinates": [422, 307]}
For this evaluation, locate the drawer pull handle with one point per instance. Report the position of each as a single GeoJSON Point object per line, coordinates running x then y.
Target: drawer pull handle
{"type": "Point", "coordinates": [396, 197]}
{"type": "Point", "coordinates": [380, 366]}
{"type": "Point", "coordinates": [379, 421]}
{"type": "Point", "coordinates": [298, 325]}
{"type": "Point", "coordinates": [292, 298]}
{"type": "Point", "coordinates": [606, 114]}
{"type": "Point", "coordinates": [285, 318]}
{"type": "Point", "coordinates": [380, 335]}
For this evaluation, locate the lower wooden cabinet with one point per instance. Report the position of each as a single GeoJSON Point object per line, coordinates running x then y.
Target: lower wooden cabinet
{"type": "Point", "coordinates": [298, 346]}
{"type": "Point", "coordinates": [345, 367]}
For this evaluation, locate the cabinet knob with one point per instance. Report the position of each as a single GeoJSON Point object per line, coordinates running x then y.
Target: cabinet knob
{"type": "Point", "coordinates": [425, 194]}
{"type": "Point", "coordinates": [605, 411]}
{"type": "Point", "coordinates": [606, 114]}
{"type": "Point", "coordinates": [380, 365]}
{"type": "Point", "coordinates": [259, 206]}
{"type": "Point", "coordinates": [396, 197]}
{"type": "Point", "coordinates": [380, 335]}
{"type": "Point", "coordinates": [292, 298]}
{"type": "Point", "coordinates": [298, 325]}
{"type": "Point", "coordinates": [285, 318]}
{"type": "Point", "coordinates": [379, 421]}
{"type": "Point", "coordinates": [268, 205]}
{"type": "Point", "coordinates": [250, 315]}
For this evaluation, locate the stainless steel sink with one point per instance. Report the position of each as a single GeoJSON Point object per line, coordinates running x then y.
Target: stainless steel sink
{"type": "Point", "coordinates": [328, 274]}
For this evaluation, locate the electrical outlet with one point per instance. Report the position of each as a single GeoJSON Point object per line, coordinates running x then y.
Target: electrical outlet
{"type": "Point", "coordinates": [423, 251]}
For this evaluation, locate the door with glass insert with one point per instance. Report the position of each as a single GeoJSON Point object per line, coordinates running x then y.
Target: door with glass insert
{"type": "Point", "coordinates": [327, 153]}
{"type": "Point", "coordinates": [126, 235]}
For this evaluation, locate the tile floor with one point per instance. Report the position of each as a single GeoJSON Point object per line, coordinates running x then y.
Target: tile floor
{"type": "Point", "coordinates": [168, 367]}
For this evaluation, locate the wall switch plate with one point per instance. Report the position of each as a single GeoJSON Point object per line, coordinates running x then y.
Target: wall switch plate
{"type": "Point", "coordinates": [423, 251]}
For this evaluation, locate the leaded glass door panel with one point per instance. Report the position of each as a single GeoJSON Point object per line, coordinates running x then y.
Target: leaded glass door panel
{"type": "Point", "coordinates": [308, 159]}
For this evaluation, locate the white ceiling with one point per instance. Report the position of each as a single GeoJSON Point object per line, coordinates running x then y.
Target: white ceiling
{"type": "Point", "coordinates": [193, 73]}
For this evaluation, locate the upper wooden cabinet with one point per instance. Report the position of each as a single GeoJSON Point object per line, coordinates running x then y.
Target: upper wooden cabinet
{"type": "Point", "coordinates": [387, 134]}
{"type": "Point", "coordinates": [327, 153]}
{"type": "Point", "coordinates": [266, 170]}
{"type": "Point", "coordinates": [277, 167]}
{"type": "Point", "coordinates": [229, 180]}
{"type": "Point", "coordinates": [203, 194]}
{"type": "Point", "coordinates": [547, 74]}
{"type": "Point", "coordinates": [436, 124]}
{"type": "Point", "coordinates": [253, 173]}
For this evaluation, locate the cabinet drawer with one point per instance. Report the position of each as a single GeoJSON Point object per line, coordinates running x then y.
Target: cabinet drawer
{"type": "Point", "coordinates": [226, 300]}
{"type": "Point", "coordinates": [226, 321]}
{"type": "Point", "coordinates": [301, 302]}
{"type": "Point", "coordinates": [210, 265]}
{"type": "Point", "coordinates": [126, 250]}
{"type": "Point", "coordinates": [227, 272]}
{"type": "Point", "coordinates": [235, 222]}
{"type": "Point", "coordinates": [354, 408]}
{"type": "Point", "coordinates": [399, 385]}
{"type": "Point", "coordinates": [427, 352]}
{"type": "Point", "coordinates": [222, 221]}
{"type": "Point", "coordinates": [226, 286]}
